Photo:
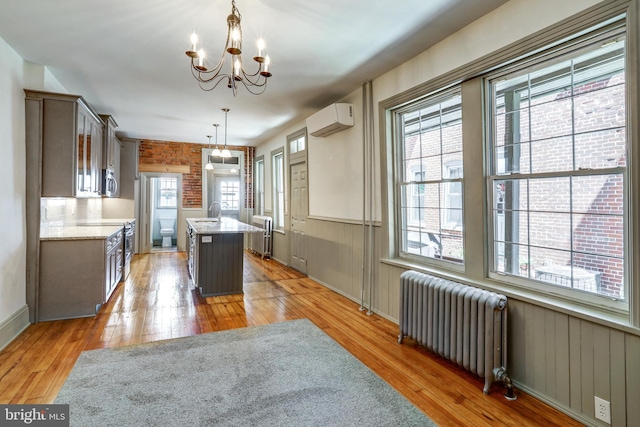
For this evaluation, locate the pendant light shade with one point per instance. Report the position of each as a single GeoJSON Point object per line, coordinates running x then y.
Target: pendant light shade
{"type": "Point", "coordinates": [209, 165]}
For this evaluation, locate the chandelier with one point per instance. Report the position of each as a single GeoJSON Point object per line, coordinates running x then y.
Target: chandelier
{"type": "Point", "coordinates": [209, 79]}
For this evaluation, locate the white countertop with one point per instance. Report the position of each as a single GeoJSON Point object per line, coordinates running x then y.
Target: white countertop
{"type": "Point", "coordinates": [220, 226]}
{"type": "Point", "coordinates": [78, 232]}
{"type": "Point", "coordinates": [106, 221]}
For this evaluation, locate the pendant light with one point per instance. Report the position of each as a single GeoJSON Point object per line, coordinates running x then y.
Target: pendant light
{"type": "Point", "coordinates": [225, 152]}
{"type": "Point", "coordinates": [216, 151]}
{"type": "Point", "coordinates": [209, 165]}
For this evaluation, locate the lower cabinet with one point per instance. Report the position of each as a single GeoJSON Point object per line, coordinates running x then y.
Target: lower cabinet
{"type": "Point", "coordinates": [77, 276]}
{"type": "Point", "coordinates": [113, 264]}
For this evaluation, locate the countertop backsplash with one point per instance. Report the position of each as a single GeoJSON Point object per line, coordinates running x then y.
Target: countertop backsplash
{"type": "Point", "coordinates": [68, 211]}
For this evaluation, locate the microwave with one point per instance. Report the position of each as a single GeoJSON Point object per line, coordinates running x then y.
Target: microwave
{"type": "Point", "coordinates": [109, 183]}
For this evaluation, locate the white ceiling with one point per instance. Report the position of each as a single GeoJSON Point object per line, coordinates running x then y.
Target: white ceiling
{"type": "Point", "coordinates": [126, 57]}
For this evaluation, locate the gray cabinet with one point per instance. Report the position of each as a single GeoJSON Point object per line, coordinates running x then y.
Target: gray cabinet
{"type": "Point", "coordinates": [111, 158]}
{"type": "Point", "coordinates": [78, 275]}
{"type": "Point", "coordinates": [114, 263]}
{"type": "Point", "coordinates": [68, 134]}
{"type": "Point", "coordinates": [215, 262]}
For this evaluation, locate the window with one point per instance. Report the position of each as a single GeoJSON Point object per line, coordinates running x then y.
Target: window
{"type": "Point", "coordinates": [558, 170]}
{"type": "Point", "coordinates": [278, 190]}
{"type": "Point", "coordinates": [230, 195]}
{"type": "Point", "coordinates": [297, 144]}
{"type": "Point", "coordinates": [167, 193]}
{"type": "Point", "coordinates": [259, 205]}
{"type": "Point", "coordinates": [430, 160]}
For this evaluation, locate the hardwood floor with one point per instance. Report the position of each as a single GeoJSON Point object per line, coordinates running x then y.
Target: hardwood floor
{"type": "Point", "coordinates": [156, 303]}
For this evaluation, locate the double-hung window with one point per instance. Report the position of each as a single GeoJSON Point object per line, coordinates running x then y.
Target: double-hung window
{"type": "Point", "coordinates": [278, 190]}
{"type": "Point", "coordinates": [557, 171]}
{"type": "Point", "coordinates": [259, 202]}
{"type": "Point", "coordinates": [167, 193]}
{"type": "Point", "coordinates": [430, 179]}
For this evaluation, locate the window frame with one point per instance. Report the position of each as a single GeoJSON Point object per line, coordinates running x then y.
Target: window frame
{"type": "Point", "coordinates": [259, 186]}
{"type": "Point", "coordinates": [159, 193]}
{"type": "Point", "coordinates": [578, 45]}
{"type": "Point", "coordinates": [279, 212]}
{"type": "Point", "coordinates": [399, 158]}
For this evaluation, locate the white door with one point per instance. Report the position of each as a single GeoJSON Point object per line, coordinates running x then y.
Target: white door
{"type": "Point", "coordinates": [299, 214]}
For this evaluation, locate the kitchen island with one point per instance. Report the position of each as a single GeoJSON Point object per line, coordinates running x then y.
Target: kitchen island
{"type": "Point", "coordinates": [215, 248]}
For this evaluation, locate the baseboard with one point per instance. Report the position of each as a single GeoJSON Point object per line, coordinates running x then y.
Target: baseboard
{"type": "Point", "coordinates": [13, 326]}
{"type": "Point", "coordinates": [344, 294]}
{"type": "Point", "coordinates": [557, 405]}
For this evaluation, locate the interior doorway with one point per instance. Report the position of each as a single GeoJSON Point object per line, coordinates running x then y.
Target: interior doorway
{"type": "Point", "coordinates": [224, 184]}
{"type": "Point", "coordinates": [160, 203]}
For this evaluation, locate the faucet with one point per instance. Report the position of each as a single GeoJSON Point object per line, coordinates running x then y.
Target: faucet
{"type": "Point", "coordinates": [215, 214]}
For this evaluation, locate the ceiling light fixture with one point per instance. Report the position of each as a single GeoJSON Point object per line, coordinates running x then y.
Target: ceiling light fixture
{"type": "Point", "coordinates": [208, 79]}
{"type": "Point", "coordinates": [216, 151]}
{"type": "Point", "coordinates": [225, 152]}
{"type": "Point", "coordinates": [209, 165]}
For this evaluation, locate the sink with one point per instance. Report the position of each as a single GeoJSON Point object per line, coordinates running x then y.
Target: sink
{"type": "Point", "coordinates": [206, 220]}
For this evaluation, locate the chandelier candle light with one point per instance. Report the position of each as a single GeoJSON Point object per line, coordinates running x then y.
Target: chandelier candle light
{"type": "Point", "coordinates": [208, 79]}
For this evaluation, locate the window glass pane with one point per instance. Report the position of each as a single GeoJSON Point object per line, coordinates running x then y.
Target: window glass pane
{"type": "Point", "coordinates": [598, 194]}
{"type": "Point", "coordinates": [550, 230]}
{"type": "Point", "coordinates": [551, 119]}
{"type": "Point", "coordinates": [549, 84]}
{"type": "Point", "coordinates": [302, 144]}
{"type": "Point", "coordinates": [600, 150]}
{"type": "Point", "coordinates": [513, 158]}
{"type": "Point", "coordinates": [512, 127]}
{"type": "Point", "coordinates": [549, 195]}
{"type": "Point", "coordinates": [433, 168]}
{"type": "Point", "coordinates": [511, 258]}
{"type": "Point", "coordinates": [552, 155]}
{"type": "Point", "coordinates": [601, 109]}
{"type": "Point", "coordinates": [598, 234]}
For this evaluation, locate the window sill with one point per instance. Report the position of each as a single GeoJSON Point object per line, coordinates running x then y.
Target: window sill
{"type": "Point", "coordinates": [278, 231]}
{"type": "Point", "coordinates": [601, 316]}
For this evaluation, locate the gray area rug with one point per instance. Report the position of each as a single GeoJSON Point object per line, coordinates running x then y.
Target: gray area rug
{"type": "Point", "coordinates": [284, 374]}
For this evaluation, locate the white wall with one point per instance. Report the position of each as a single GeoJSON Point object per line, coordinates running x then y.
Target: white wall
{"type": "Point", "coordinates": [335, 162]}
{"type": "Point", "coordinates": [12, 177]}
{"type": "Point", "coordinates": [15, 75]}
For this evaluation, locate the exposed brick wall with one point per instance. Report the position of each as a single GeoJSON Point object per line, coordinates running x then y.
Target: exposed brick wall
{"type": "Point", "coordinates": [186, 154]}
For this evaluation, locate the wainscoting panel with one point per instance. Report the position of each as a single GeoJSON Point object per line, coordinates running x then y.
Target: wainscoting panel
{"type": "Point", "coordinates": [561, 359]}
{"type": "Point", "coordinates": [280, 244]}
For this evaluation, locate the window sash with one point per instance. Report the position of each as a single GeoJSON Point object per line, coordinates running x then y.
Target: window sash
{"type": "Point", "coordinates": [278, 190]}
{"type": "Point", "coordinates": [259, 202]}
{"type": "Point", "coordinates": [542, 232]}
{"type": "Point", "coordinates": [429, 139]}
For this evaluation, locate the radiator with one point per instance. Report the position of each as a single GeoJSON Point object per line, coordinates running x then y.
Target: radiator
{"type": "Point", "coordinates": [464, 324]}
{"type": "Point", "coordinates": [261, 242]}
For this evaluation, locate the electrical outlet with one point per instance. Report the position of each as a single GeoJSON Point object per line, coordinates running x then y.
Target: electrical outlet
{"type": "Point", "coordinates": [603, 410]}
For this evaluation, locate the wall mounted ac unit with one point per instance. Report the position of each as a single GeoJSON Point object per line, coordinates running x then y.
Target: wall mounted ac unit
{"type": "Point", "coordinates": [329, 120]}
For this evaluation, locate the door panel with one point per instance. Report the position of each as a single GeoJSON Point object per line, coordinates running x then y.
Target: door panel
{"type": "Point", "coordinates": [299, 214]}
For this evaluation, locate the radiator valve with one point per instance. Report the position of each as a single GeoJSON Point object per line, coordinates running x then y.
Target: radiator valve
{"type": "Point", "coordinates": [501, 375]}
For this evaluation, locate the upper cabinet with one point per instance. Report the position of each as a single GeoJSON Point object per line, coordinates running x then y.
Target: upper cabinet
{"type": "Point", "coordinates": [110, 158]}
{"type": "Point", "coordinates": [65, 135]}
